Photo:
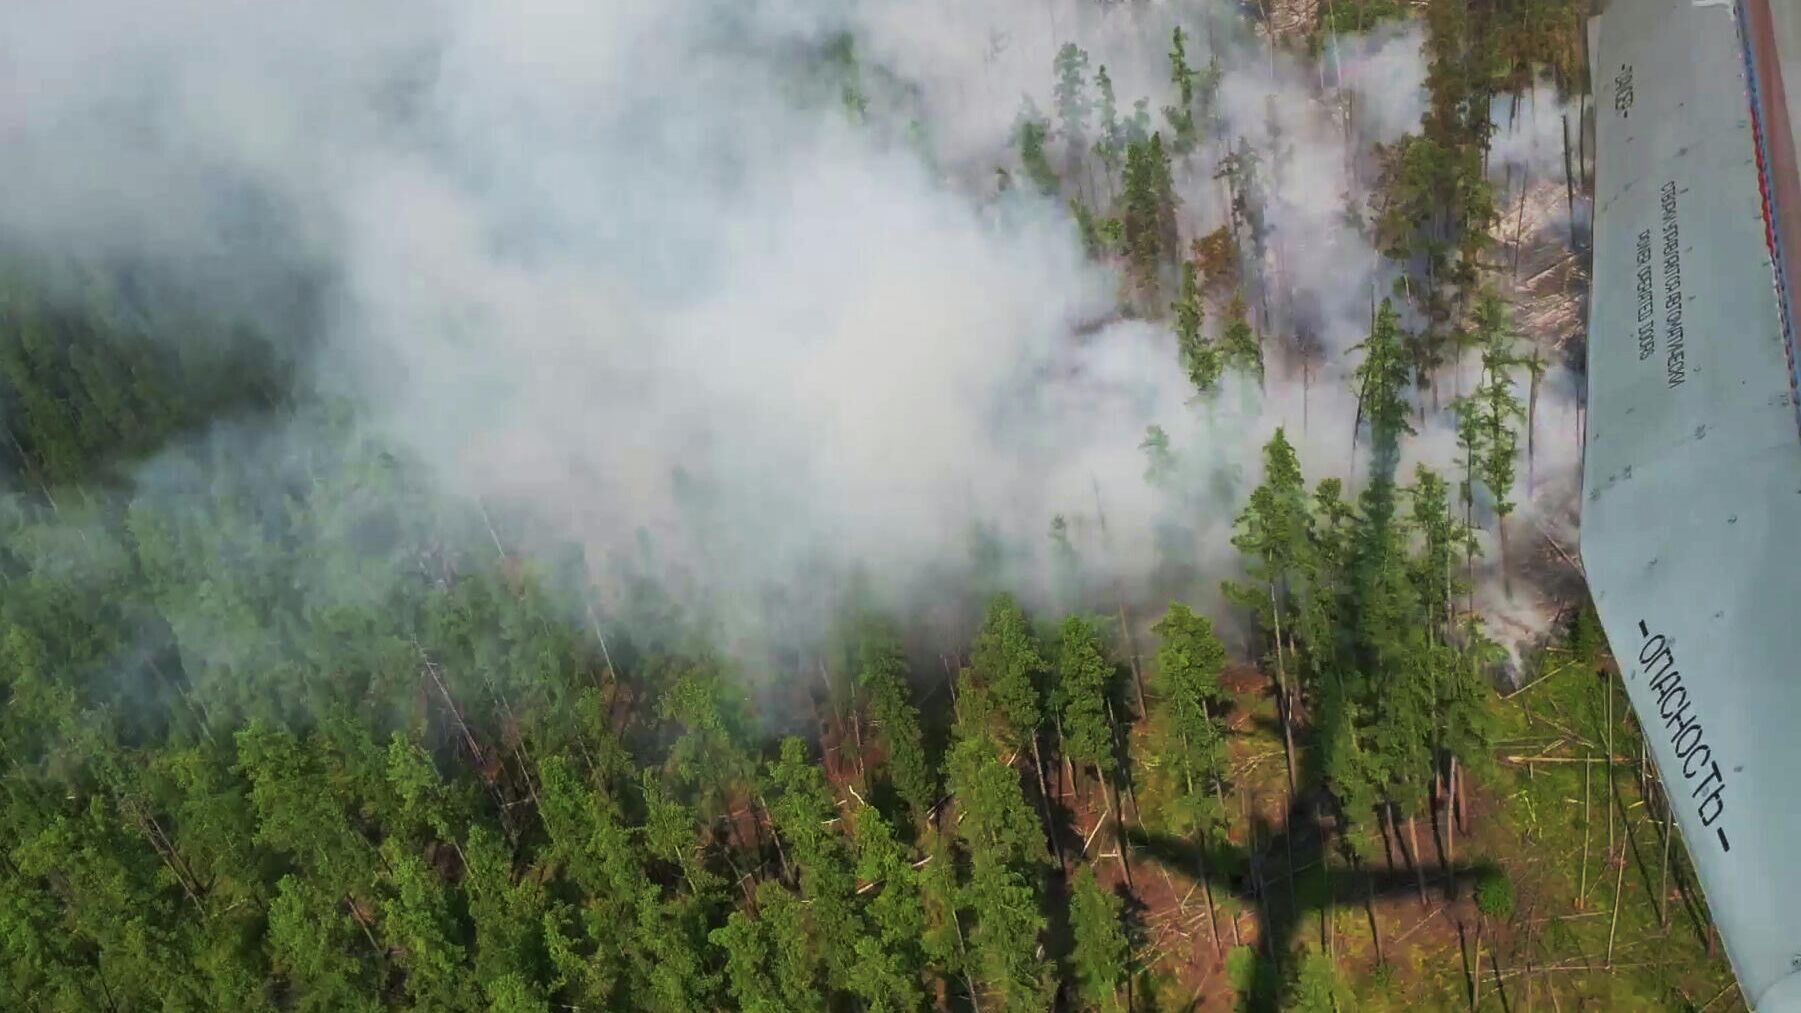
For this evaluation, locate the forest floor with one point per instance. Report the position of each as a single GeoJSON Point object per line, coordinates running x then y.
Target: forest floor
{"type": "Point", "coordinates": [1598, 922]}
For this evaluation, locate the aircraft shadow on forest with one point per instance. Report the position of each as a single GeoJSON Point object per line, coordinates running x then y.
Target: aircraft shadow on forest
{"type": "Point", "coordinates": [1257, 876]}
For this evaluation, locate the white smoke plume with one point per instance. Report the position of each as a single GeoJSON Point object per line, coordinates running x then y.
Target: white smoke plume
{"type": "Point", "coordinates": [626, 272]}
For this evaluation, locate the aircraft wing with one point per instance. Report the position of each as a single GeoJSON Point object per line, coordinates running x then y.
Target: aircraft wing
{"type": "Point", "coordinates": [1691, 527]}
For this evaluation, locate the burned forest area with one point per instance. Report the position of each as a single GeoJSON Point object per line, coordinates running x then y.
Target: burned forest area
{"type": "Point", "coordinates": [883, 506]}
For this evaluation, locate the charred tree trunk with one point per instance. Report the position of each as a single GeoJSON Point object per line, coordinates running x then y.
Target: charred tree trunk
{"type": "Point", "coordinates": [1200, 860]}
{"type": "Point", "coordinates": [1519, 225]}
{"type": "Point", "coordinates": [1068, 769]}
{"type": "Point", "coordinates": [1451, 814]}
{"type": "Point", "coordinates": [1119, 825]}
{"type": "Point", "coordinates": [1569, 180]}
{"type": "Point", "coordinates": [1476, 968]}
{"type": "Point", "coordinates": [1125, 626]}
{"type": "Point", "coordinates": [781, 855]}
{"type": "Point", "coordinates": [1413, 843]}
{"type": "Point", "coordinates": [1663, 885]}
{"type": "Point", "coordinates": [1533, 374]}
{"type": "Point", "coordinates": [1306, 387]}
{"type": "Point", "coordinates": [1282, 701]}
{"type": "Point", "coordinates": [1501, 539]}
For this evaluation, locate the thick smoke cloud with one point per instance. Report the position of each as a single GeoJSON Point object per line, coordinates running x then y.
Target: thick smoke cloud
{"type": "Point", "coordinates": [626, 273]}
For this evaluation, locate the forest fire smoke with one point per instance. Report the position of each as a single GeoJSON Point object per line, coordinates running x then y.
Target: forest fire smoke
{"type": "Point", "coordinates": [622, 277]}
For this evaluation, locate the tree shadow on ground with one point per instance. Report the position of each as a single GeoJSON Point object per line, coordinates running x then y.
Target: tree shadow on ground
{"type": "Point", "coordinates": [1257, 875]}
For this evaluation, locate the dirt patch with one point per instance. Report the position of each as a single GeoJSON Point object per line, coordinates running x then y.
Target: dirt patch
{"type": "Point", "coordinates": [1289, 880]}
{"type": "Point", "coordinates": [1538, 245]}
{"type": "Point", "coordinates": [1244, 680]}
{"type": "Point", "coordinates": [1176, 934]}
{"type": "Point", "coordinates": [1286, 18]}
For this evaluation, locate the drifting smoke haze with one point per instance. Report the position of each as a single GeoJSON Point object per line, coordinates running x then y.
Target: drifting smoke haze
{"type": "Point", "coordinates": [625, 274]}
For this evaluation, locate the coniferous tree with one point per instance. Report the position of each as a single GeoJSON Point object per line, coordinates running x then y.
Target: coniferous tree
{"type": "Point", "coordinates": [1442, 537]}
{"type": "Point", "coordinates": [1159, 462]}
{"type": "Point", "coordinates": [1110, 144]}
{"type": "Point", "coordinates": [1436, 204]}
{"type": "Point", "coordinates": [1200, 358]}
{"type": "Point", "coordinates": [804, 811]}
{"type": "Point", "coordinates": [1181, 115]}
{"type": "Point", "coordinates": [1274, 534]}
{"type": "Point", "coordinates": [1089, 229]}
{"type": "Point", "coordinates": [1149, 218]}
{"type": "Point", "coordinates": [768, 961]}
{"type": "Point", "coordinates": [1009, 667]}
{"type": "Point", "coordinates": [1397, 662]}
{"type": "Point", "coordinates": [940, 898]}
{"type": "Point", "coordinates": [1072, 104]}
{"type": "Point", "coordinates": [312, 942]}
{"type": "Point", "coordinates": [883, 674]}
{"type": "Point", "coordinates": [671, 835]}
{"type": "Point", "coordinates": [1242, 169]}
{"type": "Point", "coordinates": [1381, 378]}
{"type": "Point", "coordinates": [1101, 950]}
{"type": "Point", "coordinates": [1085, 686]}
{"type": "Point", "coordinates": [1240, 346]}
{"type": "Point", "coordinates": [1471, 447]}
{"type": "Point", "coordinates": [746, 949]}
{"type": "Point", "coordinates": [1486, 420]}
{"type": "Point", "coordinates": [416, 921]}
{"type": "Point", "coordinates": [1007, 662]}
{"type": "Point", "coordinates": [1322, 597]}
{"type": "Point", "coordinates": [603, 950]}
{"type": "Point", "coordinates": [1003, 840]}
{"type": "Point", "coordinates": [1004, 942]}
{"type": "Point", "coordinates": [1169, 240]}
{"type": "Point", "coordinates": [1190, 731]}
{"type": "Point", "coordinates": [1138, 125]}
{"type": "Point", "coordinates": [708, 759]}
{"type": "Point", "coordinates": [891, 957]}
{"type": "Point", "coordinates": [1499, 411]}
{"type": "Point", "coordinates": [1141, 235]}
{"type": "Point", "coordinates": [1317, 986]}
{"type": "Point", "coordinates": [309, 826]}
{"type": "Point", "coordinates": [507, 913]}
{"type": "Point", "coordinates": [1461, 653]}
{"type": "Point", "coordinates": [1031, 131]}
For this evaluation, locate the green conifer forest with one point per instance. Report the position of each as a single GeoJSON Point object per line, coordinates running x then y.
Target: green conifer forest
{"type": "Point", "coordinates": [291, 722]}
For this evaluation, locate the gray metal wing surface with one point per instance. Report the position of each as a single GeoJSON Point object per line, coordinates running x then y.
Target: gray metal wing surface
{"type": "Point", "coordinates": [1691, 528]}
